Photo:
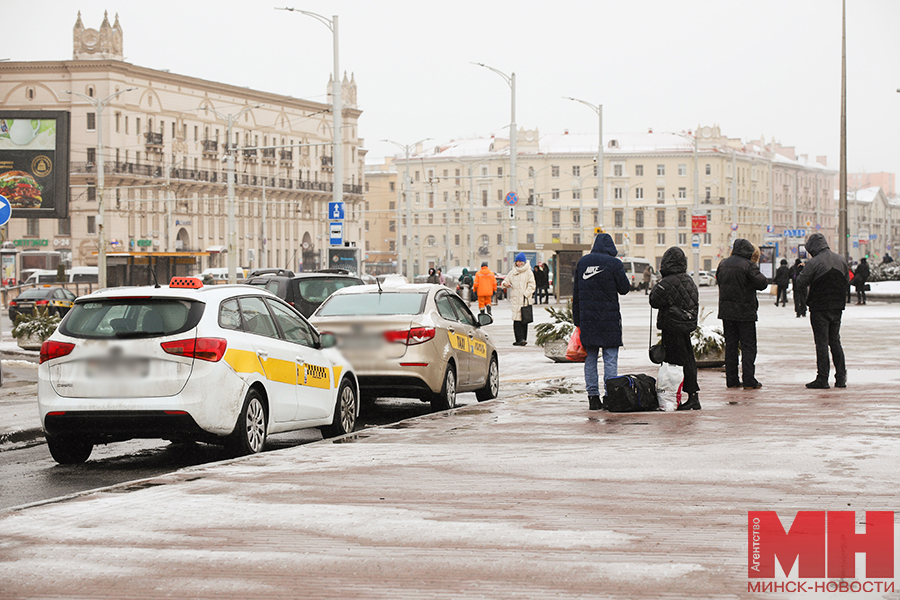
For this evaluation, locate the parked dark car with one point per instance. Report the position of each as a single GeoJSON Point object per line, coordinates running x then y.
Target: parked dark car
{"type": "Point", "coordinates": [56, 300]}
{"type": "Point", "coordinates": [305, 291]}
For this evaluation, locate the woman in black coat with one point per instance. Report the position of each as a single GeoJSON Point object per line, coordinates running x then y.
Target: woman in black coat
{"type": "Point", "coordinates": [678, 302]}
{"type": "Point", "coordinates": [860, 276]}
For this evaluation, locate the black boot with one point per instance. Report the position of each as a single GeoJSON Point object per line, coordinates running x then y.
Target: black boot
{"type": "Point", "coordinates": [693, 402]}
{"type": "Point", "coordinates": [594, 403]}
{"type": "Point", "coordinates": [488, 307]}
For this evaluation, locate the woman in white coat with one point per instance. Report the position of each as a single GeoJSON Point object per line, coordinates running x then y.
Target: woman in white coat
{"type": "Point", "coordinates": [520, 286]}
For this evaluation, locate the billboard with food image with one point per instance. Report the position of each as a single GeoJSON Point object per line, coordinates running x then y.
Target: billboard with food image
{"type": "Point", "coordinates": [34, 163]}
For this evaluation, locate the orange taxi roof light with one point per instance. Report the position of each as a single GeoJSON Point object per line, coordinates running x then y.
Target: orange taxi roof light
{"type": "Point", "coordinates": [193, 283]}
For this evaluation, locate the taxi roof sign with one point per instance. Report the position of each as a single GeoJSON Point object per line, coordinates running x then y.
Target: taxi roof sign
{"type": "Point", "coordinates": [193, 283]}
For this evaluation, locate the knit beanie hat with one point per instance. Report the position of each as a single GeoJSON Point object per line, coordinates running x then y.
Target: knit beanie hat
{"type": "Point", "coordinates": [521, 257]}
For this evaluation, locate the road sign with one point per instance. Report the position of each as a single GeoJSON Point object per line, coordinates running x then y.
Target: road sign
{"type": "Point", "coordinates": [695, 240]}
{"type": "Point", "coordinates": [337, 234]}
{"type": "Point", "coordinates": [5, 210]}
{"type": "Point", "coordinates": [336, 211]}
{"type": "Point", "coordinates": [799, 233]}
{"type": "Point", "coordinates": [512, 212]}
{"type": "Point", "coordinates": [734, 226]}
{"type": "Point", "coordinates": [698, 223]}
{"type": "Point", "coordinates": [511, 198]}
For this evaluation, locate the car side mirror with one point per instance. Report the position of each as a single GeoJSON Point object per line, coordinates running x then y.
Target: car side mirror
{"type": "Point", "coordinates": [484, 319]}
{"type": "Point", "coordinates": [327, 340]}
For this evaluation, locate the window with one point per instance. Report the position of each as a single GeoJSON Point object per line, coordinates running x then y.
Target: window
{"type": "Point", "coordinates": [392, 246]}
{"type": "Point", "coordinates": [392, 226]}
{"type": "Point", "coordinates": [392, 205]}
{"type": "Point", "coordinates": [500, 171]}
{"type": "Point", "coordinates": [91, 193]}
{"type": "Point", "coordinates": [682, 217]}
{"type": "Point", "coordinates": [639, 170]}
{"type": "Point", "coordinates": [485, 171]}
{"type": "Point", "coordinates": [91, 156]}
{"type": "Point", "coordinates": [554, 193]}
{"type": "Point", "coordinates": [64, 227]}
{"type": "Point", "coordinates": [576, 194]}
{"type": "Point", "coordinates": [92, 121]}
{"type": "Point", "coordinates": [456, 239]}
{"type": "Point", "coordinates": [708, 192]}
{"type": "Point", "coordinates": [682, 170]}
{"type": "Point", "coordinates": [660, 169]}
{"type": "Point", "coordinates": [392, 186]}
{"type": "Point", "coordinates": [617, 170]}
{"type": "Point", "coordinates": [484, 197]}
{"type": "Point", "coordinates": [430, 240]}
{"type": "Point", "coordinates": [594, 214]}
{"type": "Point", "coordinates": [555, 218]}
{"type": "Point", "coordinates": [660, 218]}
{"type": "Point", "coordinates": [618, 239]}
{"type": "Point", "coordinates": [682, 239]}
{"type": "Point", "coordinates": [529, 216]}
{"type": "Point", "coordinates": [576, 217]}
{"type": "Point", "coordinates": [576, 171]}
{"type": "Point", "coordinates": [639, 239]}
{"type": "Point", "coordinates": [708, 170]}
{"type": "Point", "coordinates": [529, 238]}
{"type": "Point", "coordinates": [639, 218]}
{"type": "Point", "coordinates": [682, 193]}
{"type": "Point", "coordinates": [707, 239]}
{"type": "Point", "coordinates": [33, 228]}
{"type": "Point", "coordinates": [617, 193]}
{"type": "Point", "coordinates": [499, 239]}
{"type": "Point", "coordinates": [595, 170]}
{"type": "Point", "coordinates": [576, 238]}
{"type": "Point", "coordinates": [618, 218]}
{"type": "Point", "coordinates": [92, 224]}
{"type": "Point", "coordinates": [660, 239]}
{"type": "Point", "coordinates": [457, 176]}
{"type": "Point", "coordinates": [639, 193]}
{"type": "Point", "coordinates": [417, 176]}
{"type": "Point", "coordinates": [660, 195]}
{"type": "Point", "coordinates": [499, 195]}
{"type": "Point", "coordinates": [554, 171]}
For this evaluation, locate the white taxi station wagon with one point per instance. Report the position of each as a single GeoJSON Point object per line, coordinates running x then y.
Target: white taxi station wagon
{"type": "Point", "coordinates": [226, 364]}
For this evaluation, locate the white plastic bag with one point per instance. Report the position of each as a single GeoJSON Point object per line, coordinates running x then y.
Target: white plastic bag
{"type": "Point", "coordinates": [669, 381]}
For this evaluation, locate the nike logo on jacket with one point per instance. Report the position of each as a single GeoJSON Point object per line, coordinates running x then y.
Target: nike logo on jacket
{"type": "Point", "coordinates": [591, 271]}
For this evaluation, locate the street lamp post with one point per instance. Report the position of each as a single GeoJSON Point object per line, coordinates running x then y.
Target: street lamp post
{"type": "Point", "coordinates": [99, 105]}
{"type": "Point", "coordinates": [229, 162]}
{"type": "Point", "coordinates": [597, 108]}
{"type": "Point", "coordinates": [336, 102]}
{"type": "Point", "coordinates": [513, 152]}
{"type": "Point", "coordinates": [407, 148]}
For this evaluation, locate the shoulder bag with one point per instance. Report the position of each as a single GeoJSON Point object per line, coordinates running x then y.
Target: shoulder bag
{"type": "Point", "coordinates": [527, 312]}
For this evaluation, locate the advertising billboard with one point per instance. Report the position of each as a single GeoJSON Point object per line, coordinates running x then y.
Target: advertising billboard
{"type": "Point", "coordinates": [34, 163]}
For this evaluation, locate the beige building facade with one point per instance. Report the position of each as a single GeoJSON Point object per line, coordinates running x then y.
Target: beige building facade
{"type": "Point", "coordinates": [163, 150]}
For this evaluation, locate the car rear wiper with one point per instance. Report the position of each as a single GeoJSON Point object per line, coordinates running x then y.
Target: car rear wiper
{"type": "Point", "coordinates": [138, 334]}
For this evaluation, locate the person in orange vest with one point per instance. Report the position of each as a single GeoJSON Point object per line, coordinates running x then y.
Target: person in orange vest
{"type": "Point", "coordinates": [485, 286]}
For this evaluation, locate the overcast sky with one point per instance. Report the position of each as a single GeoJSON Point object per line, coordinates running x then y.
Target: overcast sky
{"type": "Point", "coordinates": [754, 67]}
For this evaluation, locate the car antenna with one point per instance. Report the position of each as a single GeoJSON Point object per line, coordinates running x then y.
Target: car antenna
{"type": "Point", "coordinates": [378, 281]}
{"type": "Point", "coordinates": [153, 273]}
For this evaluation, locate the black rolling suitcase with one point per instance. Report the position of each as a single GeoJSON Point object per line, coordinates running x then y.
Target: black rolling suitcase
{"type": "Point", "coordinates": [631, 393]}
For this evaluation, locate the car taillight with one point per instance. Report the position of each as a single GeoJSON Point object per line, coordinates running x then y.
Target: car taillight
{"type": "Point", "coordinates": [13, 303]}
{"type": "Point", "coordinates": [211, 349]}
{"type": "Point", "coordinates": [42, 302]}
{"type": "Point", "coordinates": [51, 350]}
{"type": "Point", "coordinates": [410, 337]}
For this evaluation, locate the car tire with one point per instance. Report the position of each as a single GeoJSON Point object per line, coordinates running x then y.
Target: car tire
{"type": "Point", "coordinates": [446, 398]}
{"type": "Point", "coordinates": [491, 387]}
{"type": "Point", "coordinates": [249, 435]}
{"type": "Point", "coordinates": [69, 450]}
{"type": "Point", "coordinates": [345, 410]}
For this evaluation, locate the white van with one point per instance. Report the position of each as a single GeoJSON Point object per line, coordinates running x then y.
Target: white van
{"type": "Point", "coordinates": [221, 273]}
{"type": "Point", "coordinates": [73, 275]}
{"type": "Point", "coordinates": [634, 270]}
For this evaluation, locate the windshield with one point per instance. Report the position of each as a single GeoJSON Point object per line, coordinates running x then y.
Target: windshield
{"type": "Point", "coordinates": [385, 303]}
{"type": "Point", "coordinates": [30, 294]}
{"type": "Point", "coordinates": [317, 289]}
{"type": "Point", "coordinates": [120, 318]}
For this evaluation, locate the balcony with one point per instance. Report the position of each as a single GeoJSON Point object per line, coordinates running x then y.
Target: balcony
{"type": "Point", "coordinates": [327, 164]}
{"type": "Point", "coordinates": [287, 156]}
{"type": "Point", "coordinates": [153, 139]}
{"type": "Point", "coordinates": [268, 154]}
{"type": "Point", "coordinates": [210, 147]}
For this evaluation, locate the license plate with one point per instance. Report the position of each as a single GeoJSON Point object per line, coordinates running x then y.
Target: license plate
{"type": "Point", "coordinates": [135, 368]}
{"type": "Point", "coordinates": [355, 342]}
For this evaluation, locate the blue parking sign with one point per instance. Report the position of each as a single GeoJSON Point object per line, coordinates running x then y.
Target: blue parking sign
{"type": "Point", "coordinates": [5, 210]}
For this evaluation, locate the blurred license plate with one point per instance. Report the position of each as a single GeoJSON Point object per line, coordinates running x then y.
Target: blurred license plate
{"type": "Point", "coordinates": [120, 368]}
{"type": "Point", "coordinates": [361, 341]}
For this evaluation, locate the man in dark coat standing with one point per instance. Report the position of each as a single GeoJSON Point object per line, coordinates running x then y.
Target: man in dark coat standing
{"type": "Point", "coordinates": [599, 281]}
{"type": "Point", "coordinates": [782, 279]}
{"type": "Point", "coordinates": [738, 279]}
{"type": "Point", "coordinates": [860, 276]}
{"type": "Point", "coordinates": [827, 276]}
{"type": "Point", "coordinates": [799, 298]}
{"type": "Point", "coordinates": [678, 302]}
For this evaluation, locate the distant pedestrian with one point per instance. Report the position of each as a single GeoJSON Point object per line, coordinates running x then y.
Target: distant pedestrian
{"type": "Point", "coordinates": [520, 285]}
{"type": "Point", "coordinates": [541, 283]}
{"type": "Point", "coordinates": [738, 279]}
{"type": "Point", "coordinates": [432, 276]}
{"type": "Point", "coordinates": [826, 275]}
{"type": "Point", "coordinates": [465, 285]}
{"type": "Point", "coordinates": [799, 296]}
{"type": "Point", "coordinates": [676, 297]}
{"type": "Point", "coordinates": [485, 285]}
{"type": "Point", "coordinates": [886, 259]}
{"type": "Point", "coordinates": [782, 280]}
{"type": "Point", "coordinates": [599, 281]}
{"type": "Point", "coordinates": [648, 277]}
{"type": "Point", "coordinates": [441, 279]}
{"type": "Point", "coordinates": [860, 277]}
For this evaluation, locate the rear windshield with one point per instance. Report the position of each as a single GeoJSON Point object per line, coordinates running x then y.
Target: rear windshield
{"type": "Point", "coordinates": [385, 303]}
{"type": "Point", "coordinates": [38, 293]}
{"type": "Point", "coordinates": [122, 318]}
{"type": "Point", "coordinates": [317, 289]}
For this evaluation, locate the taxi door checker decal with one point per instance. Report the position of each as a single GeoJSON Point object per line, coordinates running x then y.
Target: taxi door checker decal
{"type": "Point", "coordinates": [314, 376]}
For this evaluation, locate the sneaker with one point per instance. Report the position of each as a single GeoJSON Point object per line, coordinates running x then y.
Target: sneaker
{"type": "Point", "coordinates": [594, 403]}
{"type": "Point", "coordinates": [736, 384]}
{"type": "Point", "coordinates": [693, 403]}
{"type": "Point", "coordinates": [840, 382]}
{"type": "Point", "coordinates": [752, 386]}
{"type": "Point", "coordinates": [818, 384]}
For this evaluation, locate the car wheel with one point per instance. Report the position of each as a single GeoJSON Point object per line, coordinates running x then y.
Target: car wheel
{"type": "Point", "coordinates": [345, 410]}
{"type": "Point", "coordinates": [492, 386]}
{"type": "Point", "coordinates": [446, 398]}
{"type": "Point", "coordinates": [68, 450]}
{"type": "Point", "coordinates": [249, 435]}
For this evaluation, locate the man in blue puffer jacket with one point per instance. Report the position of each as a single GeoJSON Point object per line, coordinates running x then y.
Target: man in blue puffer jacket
{"type": "Point", "coordinates": [599, 281]}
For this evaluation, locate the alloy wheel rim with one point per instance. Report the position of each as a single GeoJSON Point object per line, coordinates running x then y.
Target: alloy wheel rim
{"type": "Point", "coordinates": [451, 389]}
{"type": "Point", "coordinates": [495, 378]}
{"type": "Point", "coordinates": [348, 412]}
{"type": "Point", "coordinates": [256, 425]}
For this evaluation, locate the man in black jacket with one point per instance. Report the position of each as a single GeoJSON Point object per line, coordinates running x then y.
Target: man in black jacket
{"type": "Point", "coordinates": [738, 279]}
{"type": "Point", "coordinates": [782, 279]}
{"type": "Point", "coordinates": [827, 276]}
{"type": "Point", "coordinates": [860, 277]}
